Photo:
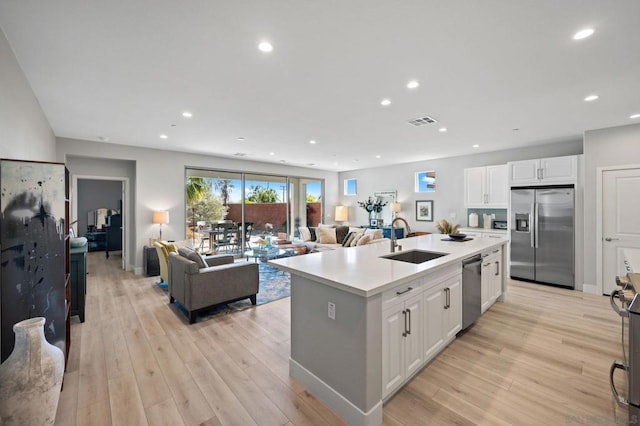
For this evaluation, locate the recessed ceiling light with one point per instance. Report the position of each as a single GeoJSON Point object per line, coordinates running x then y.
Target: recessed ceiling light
{"type": "Point", "coordinates": [442, 129]}
{"type": "Point", "coordinates": [240, 139]}
{"type": "Point", "coordinates": [634, 116]}
{"type": "Point", "coordinates": [476, 146]}
{"type": "Point", "coordinates": [583, 33]}
{"type": "Point", "coordinates": [412, 84]}
{"type": "Point", "coordinates": [106, 139]}
{"type": "Point", "coordinates": [272, 153]}
{"type": "Point", "coordinates": [312, 142]}
{"type": "Point", "coordinates": [265, 46]}
{"type": "Point", "coordinates": [163, 136]}
{"type": "Point", "coordinates": [591, 98]}
{"type": "Point", "coordinates": [378, 156]}
{"type": "Point", "coordinates": [515, 129]}
{"type": "Point", "coordinates": [282, 161]}
{"type": "Point", "coordinates": [385, 102]}
{"type": "Point", "coordinates": [187, 114]}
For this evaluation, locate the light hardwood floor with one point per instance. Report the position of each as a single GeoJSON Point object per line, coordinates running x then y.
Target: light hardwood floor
{"type": "Point", "coordinates": [540, 358]}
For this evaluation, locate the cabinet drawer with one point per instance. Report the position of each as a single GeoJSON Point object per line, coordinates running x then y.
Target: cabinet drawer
{"type": "Point", "coordinates": [401, 293]}
{"type": "Point", "coordinates": [438, 277]}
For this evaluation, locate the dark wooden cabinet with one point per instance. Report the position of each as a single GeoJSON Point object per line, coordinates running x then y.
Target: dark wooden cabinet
{"type": "Point", "coordinates": [97, 241]}
{"type": "Point", "coordinates": [78, 281]}
{"type": "Point", "coordinates": [34, 264]}
{"type": "Point", "coordinates": [150, 261]}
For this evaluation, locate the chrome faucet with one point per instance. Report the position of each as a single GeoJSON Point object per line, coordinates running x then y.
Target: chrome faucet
{"type": "Point", "coordinates": [393, 239]}
{"type": "Point", "coordinates": [394, 243]}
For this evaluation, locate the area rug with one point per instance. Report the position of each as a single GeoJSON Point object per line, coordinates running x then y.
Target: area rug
{"type": "Point", "coordinates": [274, 284]}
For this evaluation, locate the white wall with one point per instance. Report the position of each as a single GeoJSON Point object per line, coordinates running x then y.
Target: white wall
{"type": "Point", "coordinates": [159, 182]}
{"type": "Point", "coordinates": [615, 146]}
{"type": "Point", "coordinates": [25, 133]}
{"type": "Point", "coordinates": [448, 197]}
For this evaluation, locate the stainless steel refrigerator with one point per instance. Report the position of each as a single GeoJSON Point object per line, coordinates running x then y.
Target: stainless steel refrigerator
{"type": "Point", "coordinates": [542, 235]}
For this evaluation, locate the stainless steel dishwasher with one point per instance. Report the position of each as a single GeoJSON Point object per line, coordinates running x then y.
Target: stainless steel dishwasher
{"type": "Point", "coordinates": [471, 290]}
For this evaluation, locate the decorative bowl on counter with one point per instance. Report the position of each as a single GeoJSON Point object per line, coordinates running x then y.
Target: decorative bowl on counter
{"type": "Point", "coordinates": [458, 236]}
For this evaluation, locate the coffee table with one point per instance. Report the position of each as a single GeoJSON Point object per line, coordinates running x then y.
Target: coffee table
{"type": "Point", "coordinates": [264, 256]}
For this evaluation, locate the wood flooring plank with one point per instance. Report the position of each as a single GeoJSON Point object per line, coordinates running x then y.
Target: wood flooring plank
{"type": "Point", "coordinates": [164, 413]}
{"type": "Point", "coordinates": [126, 404]}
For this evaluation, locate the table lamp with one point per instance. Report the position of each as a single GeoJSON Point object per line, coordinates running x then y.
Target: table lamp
{"type": "Point", "coordinates": [395, 208]}
{"type": "Point", "coordinates": [341, 214]}
{"type": "Point", "coordinates": [160, 217]}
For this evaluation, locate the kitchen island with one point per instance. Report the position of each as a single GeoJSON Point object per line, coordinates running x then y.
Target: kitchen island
{"type": "Point", "coordinates": [362, 325]}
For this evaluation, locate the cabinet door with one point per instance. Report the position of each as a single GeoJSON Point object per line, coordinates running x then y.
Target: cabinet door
{"type": "Point", "coordinates": [433, 326]}
{"type": "Point", "coordinates": [559, 169]}
{"type": "Point", "coordinates": [486, 285]}
{"type": "Point", "coordinates": [497, 186]}
{"type": "Point", "coordinates": [415, 336]}
{"type": "Point", "coordinates": [523, 172]}
{"type": "Point", "coordinates": [496, 277]}
{"type": "Point", "coordinates": [453, 314]}
{"type": "Point", "coordinates": [474, 186]}
{"type": "Point", "coordinates": [393, 348]}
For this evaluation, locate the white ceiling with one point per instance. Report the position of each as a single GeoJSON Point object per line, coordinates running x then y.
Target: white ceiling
{"type": "Point", "coordinates": [125, 70]}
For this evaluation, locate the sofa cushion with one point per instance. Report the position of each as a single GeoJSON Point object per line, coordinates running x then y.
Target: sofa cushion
{"type": "Point", "coordinates": [376, 234]}
{"type": "Point", "coordinates": [305, 233]}
{"type": "Point", "coordinates": [327, 236]}
{"type": "Point", "coordinates": [356, 229]}
{"type": "Point", "coordinates": [348, 238]}
{"type": "Point", "coordinates": [193, 256]}
{"type": "Point", "coordinates": [365, 239]}
{"type": "Point", "coordinates": [341, 232]}
{"type": "Point", "coordinates": [355, 239]}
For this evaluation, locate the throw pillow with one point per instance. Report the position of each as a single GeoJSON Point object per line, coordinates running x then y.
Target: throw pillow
{"type": "Point", "coordinates": [355, 239]}
{"type": "Point", "coordinates": [198, 259]}
{"type": "Point", "coordinates": [184, 251]}
{"type": "Point", "coordinates": [305, 233]}
{"type": "Point", "coordinates": [376, 234]}
{"type": "Point", "coordinates": [365, 239]}
{"type": "Point", "coordinates": [327, 236]}
{"type": "Point", "coordinates": [348, 238]}
{"type": "Point", "coordinates": [314, 234]}
{"type": "Point", "coordinates": [341, 232]}
{"type": "Point", "coordinates": [356, 229]}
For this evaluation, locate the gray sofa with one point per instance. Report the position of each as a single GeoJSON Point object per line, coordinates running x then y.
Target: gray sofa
{"type": "Point", "coordinates": [220, 281]}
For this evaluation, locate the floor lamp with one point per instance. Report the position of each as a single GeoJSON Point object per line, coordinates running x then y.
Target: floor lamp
{"type": "Point", "coordinates": [160, 217]}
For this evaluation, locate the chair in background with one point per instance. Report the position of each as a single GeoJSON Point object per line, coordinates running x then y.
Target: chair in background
{"type": "Point", "coordinates": [203, 235]}
{"type": "Point", "coordinates": [224, 235]}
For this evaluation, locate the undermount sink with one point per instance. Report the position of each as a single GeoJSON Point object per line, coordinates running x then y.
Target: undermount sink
{"type": "Point", "coordinates": [415, 256]}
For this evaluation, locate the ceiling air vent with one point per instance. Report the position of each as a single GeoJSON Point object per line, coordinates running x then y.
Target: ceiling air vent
{"type": "Point", "coordinates": [422, 121]}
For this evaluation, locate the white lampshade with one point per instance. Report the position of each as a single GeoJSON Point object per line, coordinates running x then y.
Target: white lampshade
{"type": "Point", "coordinates": [341, 214]}
{"type": "Point", "coordinates": [395, 207]}
{"type": "Point", "coordinates": [160, 216]}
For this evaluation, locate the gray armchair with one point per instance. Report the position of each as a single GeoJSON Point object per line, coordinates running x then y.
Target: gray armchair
{"type": "Point", "coordinates": [220, 281]}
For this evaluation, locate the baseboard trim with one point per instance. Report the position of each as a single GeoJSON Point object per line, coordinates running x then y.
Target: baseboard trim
{"type": "Point", "coordinates": [334, 400]}
{"type": "Point", "coordinates": [590, 288]}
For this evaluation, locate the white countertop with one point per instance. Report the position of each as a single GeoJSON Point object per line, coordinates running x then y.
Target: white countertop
{"type": "Point", "coordinates": [361, 270]}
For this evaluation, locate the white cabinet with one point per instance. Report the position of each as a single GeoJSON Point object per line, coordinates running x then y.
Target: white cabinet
{"type": "Point", "coordinates": [487, 233]}
{"type": "Point", "coordinates": [443, 314]}
{"type": "Point", "coordinates": [555, 170]}
{"type": "Point", "coordinates": [402, 342]}
{"type": "Point", "coordinates": [491, 284]}
{"type": "Point", "coordinates": [486, 187]}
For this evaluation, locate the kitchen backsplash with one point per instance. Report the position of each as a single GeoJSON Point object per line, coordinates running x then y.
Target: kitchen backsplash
{"type": "Point", "coordinates": [501, 214]}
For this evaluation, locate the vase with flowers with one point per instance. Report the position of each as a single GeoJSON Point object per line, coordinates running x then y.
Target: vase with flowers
{"type": "Point", "coordinates": [372, 206]}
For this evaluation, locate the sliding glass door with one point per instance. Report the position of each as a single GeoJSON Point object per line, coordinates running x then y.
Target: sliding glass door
{"type": "Point", "coordinates": [247, 206]}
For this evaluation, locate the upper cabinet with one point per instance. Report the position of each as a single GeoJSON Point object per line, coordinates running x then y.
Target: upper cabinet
{"type": "Point", "coordinates": [486, 187]}
{"type": "Point", "coordinates": [551, 171]}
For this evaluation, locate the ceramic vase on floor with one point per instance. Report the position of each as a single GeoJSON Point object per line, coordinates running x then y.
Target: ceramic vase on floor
{"type": "Point", "coordinates": [31, 377]}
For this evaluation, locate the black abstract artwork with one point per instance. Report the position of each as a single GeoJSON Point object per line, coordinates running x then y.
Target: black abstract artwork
{"type": "Point", "coordinates": [32, 232]}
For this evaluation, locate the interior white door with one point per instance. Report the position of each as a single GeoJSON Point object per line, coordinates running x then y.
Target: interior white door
{"type": "Point", "coordinates": [620, 223]}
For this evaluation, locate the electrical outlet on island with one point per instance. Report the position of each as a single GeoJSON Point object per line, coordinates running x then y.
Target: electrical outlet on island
{"type": "Point", "coordinates": [332, 310]}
